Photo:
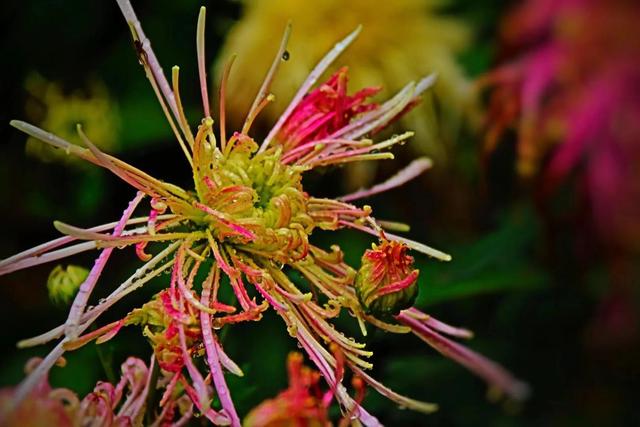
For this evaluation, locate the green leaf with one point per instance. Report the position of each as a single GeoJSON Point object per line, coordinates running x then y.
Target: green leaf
{"type": "Point", "coordinates": [501, 261]}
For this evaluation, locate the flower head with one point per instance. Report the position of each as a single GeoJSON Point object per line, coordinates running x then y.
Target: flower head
{"type": "Point", "coordinates": [245, 225]}
{"type": "Point", "coordinates": [302, 403]}
{"type": "Point", "coordinates": [386, 282]}
{"type": "Point", "coordinates": [41, 407]}
{"type": "Point", "coordinates": [63, 283]}
{"type": "Point", "coordinates": [108, 405]}
{"type": "Point", "coordinates": [572, 92]}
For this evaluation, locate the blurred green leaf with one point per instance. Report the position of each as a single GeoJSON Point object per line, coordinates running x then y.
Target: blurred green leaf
{"type": "Point", "coordinates": [519, 279]}
{"type": "Point", "coordinates": [142, 121]}
{"type": "Point", "coordinates": [497, 262]}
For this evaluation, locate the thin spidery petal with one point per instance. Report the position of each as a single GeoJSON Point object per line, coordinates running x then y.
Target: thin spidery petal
{"type": "Point", "coordinates": [411, 171]}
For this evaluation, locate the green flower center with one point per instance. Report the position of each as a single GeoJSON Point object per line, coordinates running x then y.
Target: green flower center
{"type": "Point", "coordinates": [252, 200]}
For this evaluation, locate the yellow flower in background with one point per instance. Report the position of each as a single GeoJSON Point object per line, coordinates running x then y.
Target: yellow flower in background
{"type": "Point", "coordinates": [402, 40]}
{"type": "Point", "coordinates": [60, 112]}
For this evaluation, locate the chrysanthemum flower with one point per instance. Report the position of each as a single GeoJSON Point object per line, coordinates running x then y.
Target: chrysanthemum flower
{"type": "Point", "coordinates": [246, 225]}
{"type": "Point", "coordinates": [403, 40]}
{"type": "Point", "coordinates": [303, 403]}
{"type": "Point", "coordinates": [108, 405]}
{"type": "Point", "coordinates": [59, 112]}
{"type": "Point", "coordinates": [386, 282]}
{"type": "Point", "coordinates": [41, 406]}
{"type": "Point", "coordinates": [573, 94]}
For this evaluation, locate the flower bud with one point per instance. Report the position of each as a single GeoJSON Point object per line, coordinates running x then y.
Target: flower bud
{"type": "Point", "coordinates": [64, 283]}
{"type": "Point", "coordinates": [386, 282]}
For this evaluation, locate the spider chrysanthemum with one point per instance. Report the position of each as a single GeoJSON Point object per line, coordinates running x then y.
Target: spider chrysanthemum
{"type": "Point", "coordinates": [246, 224]}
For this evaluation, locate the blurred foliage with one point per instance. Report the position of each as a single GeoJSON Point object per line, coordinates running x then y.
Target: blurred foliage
{"type": "Point", "coordinates": [522, 285]}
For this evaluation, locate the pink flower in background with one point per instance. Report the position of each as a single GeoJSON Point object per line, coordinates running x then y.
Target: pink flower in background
{"type": "Point", "coordinates": [108, 405]}
{"type": "Point", "coordinates": [303, 403]}
{"type": "Point", "coordinates": [573, 92]}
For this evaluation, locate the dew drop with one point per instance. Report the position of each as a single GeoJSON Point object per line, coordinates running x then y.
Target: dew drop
{"type": "Point", "coordinates": [285, 55]}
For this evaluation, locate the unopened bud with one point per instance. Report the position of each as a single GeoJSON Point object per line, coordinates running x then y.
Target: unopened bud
{"type": "Point", "coordinates": [64, 283]}
{"type": "Point", "coordinates": [386, 282]}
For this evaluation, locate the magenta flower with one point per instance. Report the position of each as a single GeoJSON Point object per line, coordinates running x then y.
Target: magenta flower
{"type": "Point", "coordinates": [246, 225]}
{"type": "Point", "coordinates": [303, 403]}
{"type": "Point", "coordinates": [108, 405]}
{"type": "Point", "coordinates": [574, 94]}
